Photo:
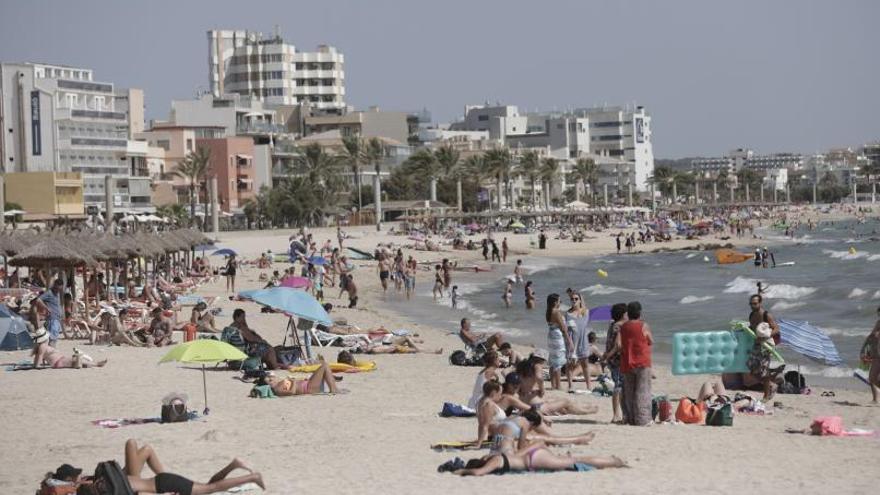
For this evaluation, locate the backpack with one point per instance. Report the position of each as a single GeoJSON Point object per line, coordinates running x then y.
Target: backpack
{"type": "Point", "coordinates": [720, 415]}
{"type": "Point", "coordinates": [110, 479]}
{"type": "Point", "coordinates": [458, 358]}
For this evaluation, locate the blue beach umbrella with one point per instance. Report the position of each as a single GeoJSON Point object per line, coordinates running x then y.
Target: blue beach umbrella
{"type": "Point", "coordinates": [809, 341]}
{"type": "Point", "coordinates": [292, 302]}
{"type": "Point", "coordinates": [224, 252]}
{"type": "Point", "coordinates": [318, 260]}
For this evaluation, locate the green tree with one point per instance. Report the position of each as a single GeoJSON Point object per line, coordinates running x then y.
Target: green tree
{"type": "Point", "coordinates": [353, 149]}
{"type": "Point", "coordinates": [174, 212]}
{"type": "Point", "coordinates": [194, 168]}
{"type": "Point", "coordinates": [530, 167]}
{"type": "Point", "coordinates": [448, 159]}
{"type": "Point", "coordinates": [549, 173]}
{"type": "Point", "coordinates": [423, 164]}
{"type": "Point", "coordinates": [476, 168]}
{"type": "Point", "coordinates": [499, 162]}
{"type": "Point", "coordinates": [585, 173]}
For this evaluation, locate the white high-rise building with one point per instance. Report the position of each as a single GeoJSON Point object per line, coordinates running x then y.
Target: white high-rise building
{"type": "Point", "coordinates": [57, 118]}
{"type": "Point", "coordinates": [275, 72]}
{"type": "Point", "coordinates": [623, 133]}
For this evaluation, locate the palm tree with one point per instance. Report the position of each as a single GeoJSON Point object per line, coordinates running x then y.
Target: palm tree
{"type": "Point", "coordinates": [374, 154]}
{"type": "Point", "coordinates": [475, 167]}
{"type": "Point", "coordinates": [318, 166]}
{"type": "Point", "coordinates": [499, 163]}
{"type": "Point", "coordinates": [448, 159]}
{"type": "Point", "coordinates": [194, 168]}
{"type": "Point", "coordinates": [549, 173]}
{"type": "Point", "coordinates": [530, 168]}
{"type": "Point", "coordinates": [424, 164]}
{"type": "Point", "coordinates": [584, 172]}
{"type": "Point", "coordinates": [749, 178]}
{"type": "Point", "coordinates": [353, 149]}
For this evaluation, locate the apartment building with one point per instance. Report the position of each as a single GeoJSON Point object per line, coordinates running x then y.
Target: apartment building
{"type": "Point", "coordinates": [366, 124]}
{"type": "Point", "coordinates": [46, 193]}
{"type": "Point", "coordinates": [58, 118]}
{"type": "Point", "coordinates": [232, 164]}
{"type": "Point", "coordinates": [618, 138]}
{"type": "Point", "coordinates": [744, 158]}
{"type": "Point", "coordinates": [267, 68]}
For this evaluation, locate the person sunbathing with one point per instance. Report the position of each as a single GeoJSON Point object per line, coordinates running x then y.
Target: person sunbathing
{"type": "Point", "coordinates": [510, 432]}
{"type": "Point", "coordinates": [536, 457]}
{"type": "Point", "coordinates": [136, 458]}
{"type": "Point", "coordinates": [397, 345]}
{"type": "Point", "coordinates": [530, 390]}
{"type": "Point", "coordinates": [44, 354]}
{"type": "Point", "coordinates": [110, 329]}
{"type": "Point", "coordinates": [73, 326]}
{"type": "Point", "coordinates": [322, 380]}
{"type": "Point", "coordinates": [203, 318]}
{"type": "Point", "coordinates": [158, 333]}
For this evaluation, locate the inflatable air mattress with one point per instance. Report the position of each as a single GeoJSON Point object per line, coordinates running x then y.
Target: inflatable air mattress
{"type": "Point", "coordinates": [703, 353]}
{"type": "Point", "coordinates": [336, 367]}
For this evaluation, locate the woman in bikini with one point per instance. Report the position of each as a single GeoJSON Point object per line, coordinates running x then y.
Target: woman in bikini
{"type": "Point", "coordinates": [510, 432]}
{"type": "Point", "coordinates": [45, 354]}
{"type": "Point", "coordinates": [534, 458]}
{"type": "Point", "coordinates": [136, 458]}
{"type": "Point", "coordinates": [530, 295]}
{"type": "Point", "coordinates": [322, 380]}
{"type": "Point", "coordinates": [531, 389]}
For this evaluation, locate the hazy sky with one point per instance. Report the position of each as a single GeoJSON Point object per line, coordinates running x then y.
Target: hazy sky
{"type": "Point", "coordinates": [796, 75]}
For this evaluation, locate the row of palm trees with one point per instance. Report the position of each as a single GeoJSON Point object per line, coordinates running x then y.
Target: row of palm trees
{"type": "Point", "coordinates": [502, 167]}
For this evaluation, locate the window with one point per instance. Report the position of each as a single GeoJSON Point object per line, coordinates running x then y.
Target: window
{"type": "Point", "coordinates": [483, 118]}
{"type": "Point", "coordinates": [189, 144]}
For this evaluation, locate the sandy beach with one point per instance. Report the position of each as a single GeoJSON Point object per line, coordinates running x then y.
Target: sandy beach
{"type": "Point", "coordinates": [376, 438]}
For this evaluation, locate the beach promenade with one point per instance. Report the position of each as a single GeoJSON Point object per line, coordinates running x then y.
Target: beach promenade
{"type": "Point", "coordinates": [375, 439]}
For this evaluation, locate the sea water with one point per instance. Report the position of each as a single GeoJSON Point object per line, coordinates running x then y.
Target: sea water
{"type": "Point", "coordinates": [829, 285]}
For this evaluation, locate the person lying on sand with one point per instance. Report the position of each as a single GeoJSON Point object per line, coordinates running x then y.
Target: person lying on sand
{"type": "Point", "coordinates": [398, 345]}
{"type": "Point", "coordinates": [45, 354]}
{"type": "Point", "coordinates": [111, 330]}
{"type": "Point", "coordinates": [476, 339]}
{"type": "Point", "coordinates": [534, 458]}
{"type": "Point", "coordinates": [322, 380]}
{"type": "Point", "coordinates": [136, 458]}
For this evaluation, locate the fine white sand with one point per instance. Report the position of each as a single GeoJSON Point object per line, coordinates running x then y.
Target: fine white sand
{"type": "Point", "coordinates": [375, 439]}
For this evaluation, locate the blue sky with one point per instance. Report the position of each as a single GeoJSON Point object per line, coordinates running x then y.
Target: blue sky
{"type": "Point", "coordinates": [771, 75]}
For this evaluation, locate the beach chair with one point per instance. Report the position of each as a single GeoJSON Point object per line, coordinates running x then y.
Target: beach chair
{"type": "Point", "coordinates": [474, 351]}
{"type": "Point", "coordinates": [232, 336]}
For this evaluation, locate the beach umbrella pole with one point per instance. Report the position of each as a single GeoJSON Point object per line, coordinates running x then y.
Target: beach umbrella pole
{"type": "Point", "coordinates": [205, 388]}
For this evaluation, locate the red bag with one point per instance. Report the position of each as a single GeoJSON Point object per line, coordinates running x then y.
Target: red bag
{"type": "Point", "coordinates": [689, 411]}
{"type": "Point", "coordinates": [665, 411]}
{"type": "Point", "coordinates": [189, 332]}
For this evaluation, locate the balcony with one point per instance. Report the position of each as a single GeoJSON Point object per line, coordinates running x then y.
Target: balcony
{"type": "Point", "coordinates": [100, 142]}
{"type": "Point", "coordinates": [259, 128]}
{"type": "Point", "coordinates": [95, 87]}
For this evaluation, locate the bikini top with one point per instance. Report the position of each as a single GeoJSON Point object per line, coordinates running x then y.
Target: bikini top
{"type": "Point", "coordinates": [500, 416]}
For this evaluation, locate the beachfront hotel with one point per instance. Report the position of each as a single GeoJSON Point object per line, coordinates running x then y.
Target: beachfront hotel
{"type": "Point", "coordinates": [267, 68]}
{"type": "Point", "coordinates": [59, 119]}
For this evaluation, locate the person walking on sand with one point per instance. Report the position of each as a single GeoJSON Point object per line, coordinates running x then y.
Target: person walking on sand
{"type": "Point", "coordinates": [636, 342]}
{"type": "Point", "coordinates": [617, 241]}
{"type": "Point", "coordinates": [384, 272]}
{"type": "Point", "coordinates": [577, 321]}
{"type": "Point", "coordinates": [504, 249]}
{"type": "Point", "coordinates": [871, 354]}
{"type": "Point", "coordinates": [496, 255]}
{"type": "Point", "coordinates": [760, 315]}
{"type": "Point", "coordinates": [231, 269]}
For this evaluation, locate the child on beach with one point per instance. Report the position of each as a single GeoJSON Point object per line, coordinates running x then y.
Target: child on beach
{"type": "Point", "coordinates": [454, 296]}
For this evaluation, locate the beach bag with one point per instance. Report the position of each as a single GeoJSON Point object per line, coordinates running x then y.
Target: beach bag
{"type": "Point", "coordinates": [111, 480]}
{"type": "Point", "coordinates": [175, 412]}
{"type": "Point", "coordinates": [720, 415]}
{"type": "Point", "coordinates": [827, 425]}
{"type": "Point", "coordinates": [189, 332]}
{"type": "Point", "coordinates": [289, 356]}
{"type": "Point", "coordinates": [451, 410]}
{"type": "Point", "coordinates": [458, 358]}
{"type": "Point", "coordinates": [689, 411]}
{"type": "Point", "coordinates": [663, 408]}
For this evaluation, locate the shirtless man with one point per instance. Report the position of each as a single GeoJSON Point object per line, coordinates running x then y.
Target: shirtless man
{"type": "Point", "coordinates": [384, 270]}
{"type": "Point", "coordinates": [475, 339]}
{"type": "Point", "coordinates": [159, 331]}
{"type": "Point", "coordinates": [409, 279]}
{"type": "Point", "coordinates": [760, 315]}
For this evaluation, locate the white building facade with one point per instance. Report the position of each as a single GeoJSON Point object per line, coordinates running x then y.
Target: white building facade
{"type": "Point", "coordinates": [245, 63]}
{"type": "Point", "coordinates": [58, 118]}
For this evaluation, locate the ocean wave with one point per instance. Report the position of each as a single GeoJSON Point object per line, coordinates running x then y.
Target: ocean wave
{"type": "Point", "coordinates": [782, 305]}
{"type": "Point", "coordinates": [846, 332]}
{"type": "Point", "coordinates": [695, 299]}
{"type": "Point", "coordinates": [856, 293]}
{"type": "Point", "coordinates": [874, 257]}
{"type": "Point", "coordinates": [603, 290]}
{"type": "Point", "coordinates": [846, 255]}
{"type": "Point", "coordinates": [827, 371]}
{"type": "Point", "coordinates": [748, 285]}
{"type": "Point", "coordinates": [876, 295]}
{"type": "Point", "coordinates": [691, 255]}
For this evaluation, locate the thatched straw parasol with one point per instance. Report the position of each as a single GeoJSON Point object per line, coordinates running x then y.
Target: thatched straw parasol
{"type": "Point", "coordinates": [49, 252]}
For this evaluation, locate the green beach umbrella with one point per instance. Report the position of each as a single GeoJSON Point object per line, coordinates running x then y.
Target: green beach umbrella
{"type": "Point", "coordinates": [203, 351]}
{"type": "Point", "coordinates": [517, 225]}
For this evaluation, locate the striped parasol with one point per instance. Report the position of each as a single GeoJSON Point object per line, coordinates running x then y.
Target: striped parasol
{"type": "Point", "coordinates": [809, 341]}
